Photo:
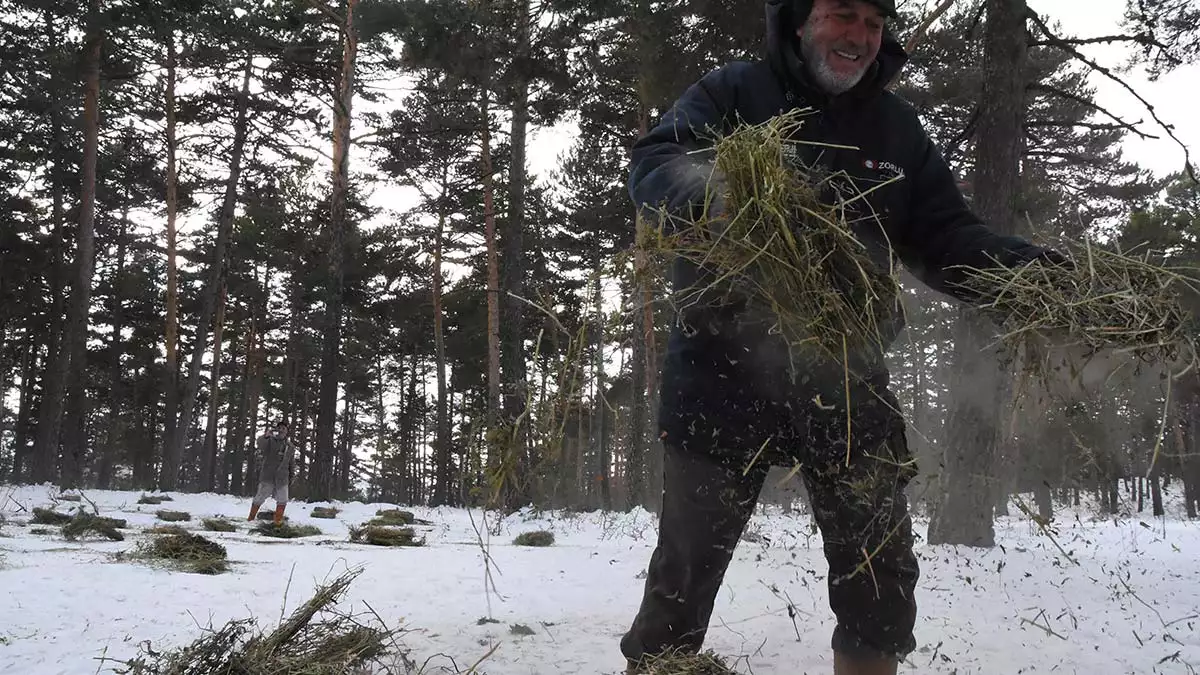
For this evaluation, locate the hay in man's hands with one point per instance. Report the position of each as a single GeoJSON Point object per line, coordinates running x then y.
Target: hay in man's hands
{"type": "Point", "coordinates": [783, 248]}
{"type": "Point", "coordinates": [1107, 301]}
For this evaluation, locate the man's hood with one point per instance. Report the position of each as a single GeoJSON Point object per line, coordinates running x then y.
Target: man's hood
{"type": "Point", "coordinates": [785, 59]}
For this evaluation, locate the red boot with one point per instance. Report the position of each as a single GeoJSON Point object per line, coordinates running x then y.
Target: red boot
{"type": "Point", "coordinates": [279, 513]}
{"type": "Point", "coordinates": [253, 512]}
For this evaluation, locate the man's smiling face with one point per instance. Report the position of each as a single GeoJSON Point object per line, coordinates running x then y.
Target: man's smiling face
{"type": "Point", "coordinates": [840, 41]}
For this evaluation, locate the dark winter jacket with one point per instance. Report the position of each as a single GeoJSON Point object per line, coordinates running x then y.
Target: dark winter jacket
{"type": "Point", "coordinates": [725, 379]}
{"type": "Point", "coordinates": [274, 459]}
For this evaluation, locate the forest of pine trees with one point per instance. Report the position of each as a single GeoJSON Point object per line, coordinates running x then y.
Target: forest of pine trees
{"type": "Point", "coordinates": [220, 214]}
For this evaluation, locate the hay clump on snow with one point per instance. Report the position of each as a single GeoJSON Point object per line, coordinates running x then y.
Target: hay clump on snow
{"type": "Point", "coordinates": [685, 663]}
{"type": "Point", "coordinates": [186, 551]}
{"type": "Point", "coordinates": [166, 529]}
{"type": "Point", "coordinates": [1107, 301]}
{"type": "Point", "coordinates": [393, 517]}
{"type": "Point", "coordinates": [49, 517]}
{"type": "Point", "coordinates": [539, 538]}
{"type": "Point", "coordinates": [784, 246]}
{"type": "Point", "coordinates": [218, 525]}
{"type": "Point", "coordinates": [84, 524]}
{"type": "Point", "coordinates": [336, 644]}
{"type": "Point", "coordinates": [173, 516]}
{"type": "Point", "coordinates": [286, 530]}
{"type": "Point", "coordinates": [325, 512]}
{"type": "Point", "coordinates": [382, 535]}
{"type": "Point", "coordinates": [154, 499]}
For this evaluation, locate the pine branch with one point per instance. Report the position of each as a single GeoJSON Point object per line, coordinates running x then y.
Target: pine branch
{"type": "Point", "coordinates": [922, 30]}
{"type": "Point", "coordinates": [1067, 47]}
{"type": "Point", "coordinates": [1097, 126]}
{"type": "Point", "coordinates": [1051, 89]}
{"type": "Point", "coordinates": [1105, 39]}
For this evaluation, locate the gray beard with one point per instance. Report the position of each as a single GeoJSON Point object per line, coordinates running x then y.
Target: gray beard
{"type": "Point", "coordinates": [825, 77]}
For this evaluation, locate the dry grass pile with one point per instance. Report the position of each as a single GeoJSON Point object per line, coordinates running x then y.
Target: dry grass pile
{"type": "Point", "coordinates": [782, 247]}
{"type": "Point", "coordinates": [382, 535]}
{"type": "Point", "coordinates": [219, 525]}
{"type": "Point", "coordinates": [49, 517]}
{"type": "Point", "coordinates": [537, 538]}
{"type": "Point", "coordinates": [393, 517]}
{"type": "Point", "coordinates": [286, 530]}
{"type": "Point", "coordinates": [154, 499]}
{"type": "Point", "coordinates": [173, 516]}
{"type": "Point", "coordinates": [1118, 302]}
{"type": "Point", "coordinates": [325, 512]}
{"type": "Point", "coordinates": [86, 524]}
{"type": "Point", "coordinates": [70, 498]}
{"type": "Point", "coordinates": [336, 644]}
{"type": "Point", "coordinates": [683, 663]}
{"type": "Point", "coordinates": [185, 551]}
{"type": "Point", "coordinates": [166, 529]}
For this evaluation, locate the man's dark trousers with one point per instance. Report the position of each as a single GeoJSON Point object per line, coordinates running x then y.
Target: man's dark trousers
{"type": "Point", "coordinates": [857, 496]}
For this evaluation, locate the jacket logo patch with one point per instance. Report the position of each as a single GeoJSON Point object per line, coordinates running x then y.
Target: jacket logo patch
{"type": "Point", "coordinates": [886, 169]}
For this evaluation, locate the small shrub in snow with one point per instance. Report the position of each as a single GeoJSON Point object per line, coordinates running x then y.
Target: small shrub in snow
{"type": "Point", "coordinates": [327, 512]}
{"type": "Point", "coordinates": [173, 516]}
{"type": "Point", "coordinates": [286, 530]}
{"type": "Point", "coordinates": [536, 538]}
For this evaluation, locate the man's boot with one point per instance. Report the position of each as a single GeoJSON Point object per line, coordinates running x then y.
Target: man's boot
{"type": "Point", "coordinates": [279, 513]}
{"type": "Point", "coordinates": [844, 665]}
{"type": "Point", "coordinates": [253, 512]}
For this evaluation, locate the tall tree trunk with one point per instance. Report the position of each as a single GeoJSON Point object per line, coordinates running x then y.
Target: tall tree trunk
{"type": "Point", "coordinates": [25, 405]}
{"type": "Point", "coordinates": [75, 438]}
{"type": "Point", "coordinates": [169, 480]}
{"type": "Point", "coordinates": [208, 452]}
{"type": "Point", "coordinates": [493, 269]}
{"type": "Point", "coordinates": [246, 446]}
{"type": "Point", "coordinates": [349, 414]}
{"type": "Point", "coordinates": [237, 436]}
{"type": "Point", "coordinates": [441, 487]}
{"type": "Point", "coordinates": [44, 456]}
{"type": "Point", "coordinates": [974, 428]}
{"type": "Point", "coordinates": [513, 354]}
{"type": "Point", "coordinates": [1044, 499]}
{"type": "Point", "coordinates": [116, 390]}
{"type": "Point", "coordinates": [599, 401]}
{"type": "Point", "coordinates": [322, 485]}
{"type": "Point", "coordinates": [171, 333]}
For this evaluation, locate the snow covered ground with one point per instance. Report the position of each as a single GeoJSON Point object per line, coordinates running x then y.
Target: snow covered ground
{"type": "Point", "coordinates": [1130, 605]}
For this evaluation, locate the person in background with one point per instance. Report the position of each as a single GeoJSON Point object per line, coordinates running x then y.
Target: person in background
{"type": "Point", "coordinates": [275, 452]}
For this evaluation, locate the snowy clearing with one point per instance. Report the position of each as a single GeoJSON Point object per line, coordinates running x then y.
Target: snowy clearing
{"type": "Point", "coordinates": [1131, 605]}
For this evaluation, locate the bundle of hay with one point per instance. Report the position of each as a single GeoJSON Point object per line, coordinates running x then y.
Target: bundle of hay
{"type": "Point", "coordinates": [218, 525]}
{"type": "Point", "coordinates": [154, 499]}
{"type": "Point", "coordinates": [325, 512]}
{"type": "Point", "coordinates": [1119, 304]}
{"type": "Point", "coordinates": [173, 516]}
{"type": "Point", "coordinates": [393, 517]}
{"type": "Point", "coordinates": [381, 535]}
{"type": "Point", "coordinates": [783, 246]}
{"type": "Point", "coordinates": [539, 538]}
{"type": "Point", "coordinates": [338, 644]}
{"type": "Point", "coordinates": [186, 551]}
{"type": "Point", "coordinates": [685, 663]}
{"type": "Point", "coordinates": [166, 529]}
{"type": "Point", "coordinates": [49, 517]}
{"type": "Point", "coordinates": [286, 530]}
{"type": "Point", "coordinates": [84, 524]}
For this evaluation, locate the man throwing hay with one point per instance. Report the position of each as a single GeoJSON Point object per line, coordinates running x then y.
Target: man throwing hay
{"type": "Point", "coordinates": [275, 452]}
{"type": "Point", "coordinates": [732, 401]}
